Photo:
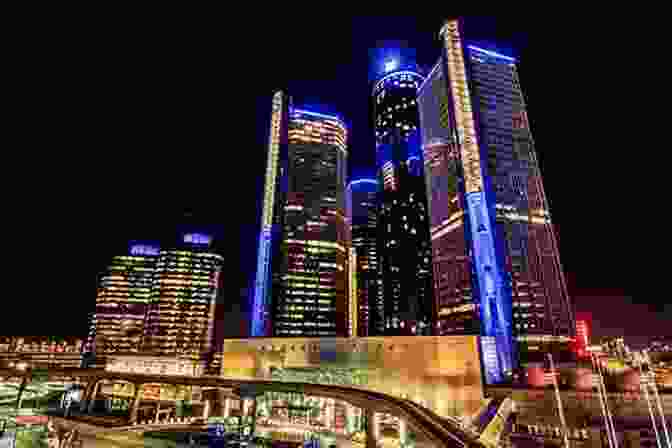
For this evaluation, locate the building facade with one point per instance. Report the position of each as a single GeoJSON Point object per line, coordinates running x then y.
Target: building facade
{"type": "Point", "coordinates": [362, 213]}
{"type": "Point", "coordinates": [181, 312]}
{"type": "Point", "coordinates": [496, 264]}
{"type": "Point", "coordinates": [301, 287]}
{"type": "Point", "coordinates": [122, 301]}
{"type": "Point", "coordinates": [158, 301]}
{"type": "Point", "coordinates": [404, 296]}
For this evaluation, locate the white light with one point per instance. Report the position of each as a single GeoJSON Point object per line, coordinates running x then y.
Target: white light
{"type": "Point", "coordinates": [391, 65]}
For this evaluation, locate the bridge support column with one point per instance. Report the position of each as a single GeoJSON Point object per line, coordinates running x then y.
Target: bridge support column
{"type": "Point", "coordinates": [91, 401]}
{"type": "Point", "coordinates": [133, 414]}
{"type": "Point", "coordinates": [86, 395]}
{"type": "Point", "coordinates": [372, 429]}
{"type": "Point", "coordinates": [403, 432]}
{"type": "Point", "coordinates": [227, 407]}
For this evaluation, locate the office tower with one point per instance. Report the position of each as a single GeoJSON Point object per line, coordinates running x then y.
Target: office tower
{"type": "Point", "coordinates": [404, 296]}
{"type": "Point", "coordinates": [301, 287]}
{"type": "Point", "coordinates": [157, 301]}
{"type": "Point", "coordinates": [181, 312]}
{"type": "Point", "coordinates": [362, 213]}
{"type": "Point", "coordinates": [394, 103]}
{"type": "Point", "coordinates": [492, 240]}
{"type": "Point", "coordinates": [121, 302]}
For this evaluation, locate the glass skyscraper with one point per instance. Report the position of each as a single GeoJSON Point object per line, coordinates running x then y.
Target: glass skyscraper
{"type": "Point", "coordinates": [181, 313]}
{"type": "Point", "coordinates": [362, 213]}
{"type": "Point", "coordinates": [122, 301]}
{"type": "Point", "coordinates": [495, 261]}
{"type": "Point", "coordinates": [301, 287]}
{"type": "Point", "coordinates": [403, 305]}
{"type": "Point", "coordinates": [158, 301]}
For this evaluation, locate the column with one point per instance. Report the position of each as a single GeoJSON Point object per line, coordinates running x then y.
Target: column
{"type": "Point", "coordinates": [372, 430]}
{"type": "Point", "coordinates": [206, 408]}
{"type": "Point", "coordinates": [92, 399]}
{"type": "Point", "coordinates": [133, 415]}
{"type": "Point", "coordinates": [86, 395]}
{"type": "Point", "coordinates": [403, 432]}
{"type": "Point", "coordinates": [227, 407]}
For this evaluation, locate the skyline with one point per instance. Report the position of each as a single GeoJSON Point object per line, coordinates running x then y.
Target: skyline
{"type": "Point", "coordinates": [579, 265]}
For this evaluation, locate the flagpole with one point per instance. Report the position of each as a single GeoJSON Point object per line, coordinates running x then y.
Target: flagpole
{"type": "Point", "coordinates": [658, 402]}
{"type": "Point", "coordinates": [559, 400]}
{"type": "Point", "coordinates": [602, 401]}
{"type": "Point", "coordinates": [606, 403]}
{"type": "Point", "coordinates": [643, 385]}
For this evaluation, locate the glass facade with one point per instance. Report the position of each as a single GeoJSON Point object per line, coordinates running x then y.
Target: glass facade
{"type": "Point", "coordinates": [302, 282]}
{"type": "Point", "coordinates": [495, 261]}
{"type": "Point", "coordinates": [122, 301]}
{"type": "Point", "coordinates": [180, 316]}
{"type": "Point", "coordinates": [394, 104]}
{"type": "Point", "coordinates": [362, 212]}
{"type": "Point", "coordinates": [159, 301]}
{"type": "Point", "coordinates": [403, 301]}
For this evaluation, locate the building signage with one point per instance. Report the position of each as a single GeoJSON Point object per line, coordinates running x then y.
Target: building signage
{"type": "Point", "coordinates": [141, 249]}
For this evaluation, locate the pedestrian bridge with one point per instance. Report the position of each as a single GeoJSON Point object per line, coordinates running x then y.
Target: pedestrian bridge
{"type": "Point", "coordinates": [431, 429]}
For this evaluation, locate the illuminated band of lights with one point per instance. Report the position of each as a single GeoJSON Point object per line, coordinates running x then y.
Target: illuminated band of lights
{"type": "Point", "coordinates": [491, 53]}
{"type": "Point", "coordinates": [316, 114]}
{"type": "Point", "coordinates": [401, 72]}
{"type": "Point", "coordinates": [261, 287]}
{"type": "Point", "coordinates": [360, 181]}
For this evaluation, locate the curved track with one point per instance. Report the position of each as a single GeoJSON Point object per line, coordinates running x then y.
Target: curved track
{"type": "Point", "coordinates": [440, 432]}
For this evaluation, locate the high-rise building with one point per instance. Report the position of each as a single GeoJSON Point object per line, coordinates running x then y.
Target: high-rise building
{"type": "Point", "coordinates": [158, 301]}
{"type": "Point", "coordinates": [181, 313]}
{"type": "Point", "coordinates": [394, 103]}
{"type": "Point", "coordinates": [404, 293]}
{"type": "Point", "coordinates": [122, 301]}
{"type": "Point", "coordinates": [496, 265]}
{"type": "Point", "coordinates": [301, 287]}
{"type": "Point", "coordinates": [362, 214]}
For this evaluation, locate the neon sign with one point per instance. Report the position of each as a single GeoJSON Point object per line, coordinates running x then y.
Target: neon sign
{"type": "Point", "coordinates": [197, 238]}
{"type": "Point", "coordinates": [142, 249]}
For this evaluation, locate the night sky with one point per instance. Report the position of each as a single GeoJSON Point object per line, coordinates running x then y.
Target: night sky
{"type": "Point", "coordinates": [122, 129]}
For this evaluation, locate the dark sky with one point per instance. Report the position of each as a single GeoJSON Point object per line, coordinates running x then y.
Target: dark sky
{"type": "Point", "coordinates": [121, 128]}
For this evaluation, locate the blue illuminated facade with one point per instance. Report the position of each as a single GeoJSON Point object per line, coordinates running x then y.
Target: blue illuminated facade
{"type": "Point", "coordinates": [301, 279]}
{"type": "Point", "coordinates": [495, 262]}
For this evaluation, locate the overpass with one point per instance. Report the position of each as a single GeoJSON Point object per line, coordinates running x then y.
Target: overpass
{"type": "Point", "coordinates": [438, 431]}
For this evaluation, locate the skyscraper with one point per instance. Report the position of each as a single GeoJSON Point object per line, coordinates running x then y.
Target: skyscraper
{"type": "Point", "coordinates": [301, 287]}
{"type": "Point", "coordinates": [181, 314]}
{"type": "Point", "coordinates": [492, 239]}
{"type": "Point", "coordinates": [122, 301]}
{"type": "Point", "coordinates": [362, 213]}
{"type": "Point", "coordinates": [158, 301]}
{"type": "Point", "coordinates": [404, 297]}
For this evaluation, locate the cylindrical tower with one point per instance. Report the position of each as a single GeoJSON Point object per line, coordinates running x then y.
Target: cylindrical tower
{"type": "Point", "coordinates": [361, 204]}
{"type": "Point", "coordinates": [394, 104]}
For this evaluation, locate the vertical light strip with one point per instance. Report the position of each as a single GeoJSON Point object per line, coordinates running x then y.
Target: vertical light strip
{"type": "Point", "coordinates": [353, 293]}
{"type": "Point", "coordinates": [261, 286]}
{"type": "Point", "coordinates": [495, 321]}
{"type": "Point", "coordinates": [464, 118]}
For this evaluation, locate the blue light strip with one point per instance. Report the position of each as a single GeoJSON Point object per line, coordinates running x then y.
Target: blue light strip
{"type": "Point", "coordinates": [492, 53]}
{"type": "Point", "coordinates": [401, 72]}
{"type": "Point", "coordinates": [315, 114]}
{"type": "Point", "coordinates": [259, 306]}
{"type": "Point", "coordinates": [359, 181]}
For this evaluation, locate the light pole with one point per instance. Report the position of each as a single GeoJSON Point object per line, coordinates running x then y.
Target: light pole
{"type": "Point", "coordinates": [559, 400]}
{"type": "Point", "coordinates": [658, 402]}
